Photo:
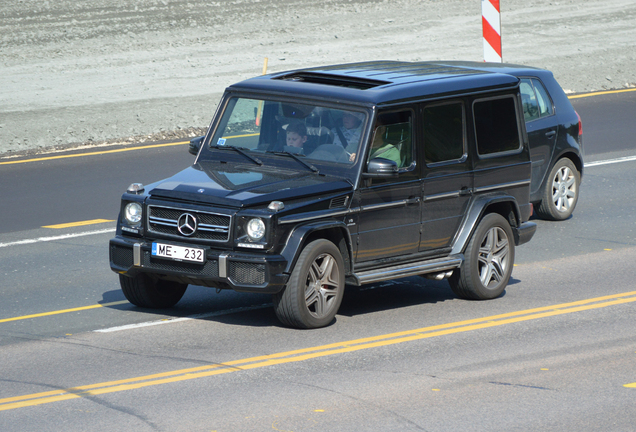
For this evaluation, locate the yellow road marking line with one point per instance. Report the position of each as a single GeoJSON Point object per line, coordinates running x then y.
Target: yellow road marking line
{"type": "Point", "coordinates": [314, 352]}
{"type": "Point", "coordinates": [241, 136]}
{"type": "Point", "coordinates": [599, 93]}
{"type": "Point", "coordinates": [80, 223]}
{"type": "Point", "coordinates": [63, 311]}
{"type": "Point", "coordinates": [632, 385]}
{"type": "Point", "coordinates": [121, 150]}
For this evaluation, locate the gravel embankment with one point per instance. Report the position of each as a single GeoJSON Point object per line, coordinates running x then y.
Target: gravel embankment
{"type": "Point", "coordinates": [92, 71]}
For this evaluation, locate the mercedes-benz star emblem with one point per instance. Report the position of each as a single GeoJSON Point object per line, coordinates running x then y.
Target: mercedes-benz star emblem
{"type": "Point", "coordinates": [187, 224]}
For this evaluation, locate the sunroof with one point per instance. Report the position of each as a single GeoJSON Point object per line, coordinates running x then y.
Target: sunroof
{"type": "Point", "coordinates": [334, 80]}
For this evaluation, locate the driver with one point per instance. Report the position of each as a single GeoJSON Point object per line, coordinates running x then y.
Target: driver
{"type": "Point", "coordinates": [382, 149]}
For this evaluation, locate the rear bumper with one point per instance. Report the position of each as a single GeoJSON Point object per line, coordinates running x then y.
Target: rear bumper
{"type": "Point", "coordinates": [524, 233]}
{"type": "Point", "coordinates": [245, 272]}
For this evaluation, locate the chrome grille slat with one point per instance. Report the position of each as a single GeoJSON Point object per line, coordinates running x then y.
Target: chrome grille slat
{"type": "Point", "coordinates": [213, 229]}
{"type": "Point", "coordinates": [219, 227]}
{"type": "Point", "coordinates": [163, 221]}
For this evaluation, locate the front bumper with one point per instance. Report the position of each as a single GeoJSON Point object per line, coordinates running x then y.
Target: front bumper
{"type": "Point", "coordinates": [241, 271]}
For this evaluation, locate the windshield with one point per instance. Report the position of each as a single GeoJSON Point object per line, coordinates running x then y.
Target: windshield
{"type": "Point", "coordinates": [314, 133]}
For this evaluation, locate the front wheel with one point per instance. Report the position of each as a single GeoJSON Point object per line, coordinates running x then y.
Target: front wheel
{"type": "Point", "coordinates": [561, 192]}
{"type": "Point", "coordinates": [144, 291]}
{"type": "Point", "coordinates": [315, 288]}
{"type": "Point", "coordinates": [488, 261]}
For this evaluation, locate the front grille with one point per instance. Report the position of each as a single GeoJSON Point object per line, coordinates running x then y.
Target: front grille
{"type": "Point", "coordinates": [121, 256]}
{"type": "Point", "coordinates": [209, 268]}
{"type": "Point", "coordinates": [210, 226]}
{"type": "Point", "coordinates": [246, 273]}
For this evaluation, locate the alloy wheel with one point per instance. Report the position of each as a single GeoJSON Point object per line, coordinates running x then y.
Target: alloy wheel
{"type": "Point", "coordinates": [322, 286]}
{"type": "Point", "coordinates": [564, 189]}
{"type": "Point", "coordinates": [493, 256]}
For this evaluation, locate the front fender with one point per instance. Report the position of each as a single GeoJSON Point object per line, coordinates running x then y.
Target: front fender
{"type": "Point", "coordinates": [299, 237]}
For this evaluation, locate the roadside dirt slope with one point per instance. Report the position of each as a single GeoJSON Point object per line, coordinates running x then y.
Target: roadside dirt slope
{"type": "Point", "coordinates": [106, 70]}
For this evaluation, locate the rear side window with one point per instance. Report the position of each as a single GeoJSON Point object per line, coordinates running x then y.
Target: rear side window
{"type": "Point", "coordinates": [545, 103]}
{"type": "Point", "coordinates": [496, 127]}
{"type": "Point", "coordinates": [529, 101]}
{"type": "Point", "coordinates": [444, 132]}
{"type": "Point", "coordinates": [535, 99]}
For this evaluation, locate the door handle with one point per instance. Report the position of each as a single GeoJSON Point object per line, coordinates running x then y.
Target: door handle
{"type": "Point", "coordinates": [413, 200]}
{"type": "Point", "coordinates": [550, 134]}
{"type": "Point", "coordinates": [465, 191]}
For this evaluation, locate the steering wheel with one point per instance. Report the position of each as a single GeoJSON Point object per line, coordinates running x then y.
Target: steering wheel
{"type": "Point", "coordinates": [330, 152]}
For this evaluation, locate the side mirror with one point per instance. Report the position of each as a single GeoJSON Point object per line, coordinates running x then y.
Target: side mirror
{"type": "Point", "coordinates": [195, 145]}
{"type": "Point", "coordinates": [380, 167]}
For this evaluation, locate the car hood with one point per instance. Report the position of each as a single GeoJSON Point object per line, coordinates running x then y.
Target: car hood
{"type": "Point", "coordinates": [244, 185]}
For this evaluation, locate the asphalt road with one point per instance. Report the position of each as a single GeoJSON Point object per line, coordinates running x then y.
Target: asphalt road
{"type": "Point", "coordinates": [556, 352]}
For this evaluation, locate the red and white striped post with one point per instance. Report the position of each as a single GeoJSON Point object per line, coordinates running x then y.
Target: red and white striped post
{"type": "Point", "coordinates": [491, 23]}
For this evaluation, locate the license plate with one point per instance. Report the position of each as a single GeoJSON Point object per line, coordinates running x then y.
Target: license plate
{"type": "Point", "coordinates": [178, 253]}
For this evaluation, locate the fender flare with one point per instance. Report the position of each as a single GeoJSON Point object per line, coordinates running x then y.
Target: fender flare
{"type": "Point", "coordinates": [299, 236]}
{"type": "Point", "coordinates": [477, 210]}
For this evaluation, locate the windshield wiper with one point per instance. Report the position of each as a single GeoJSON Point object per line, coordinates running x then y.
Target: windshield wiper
{"type": "Point", "coordinates": [307, 164]}
{"type": "Point", "coordinates": [242, 151]}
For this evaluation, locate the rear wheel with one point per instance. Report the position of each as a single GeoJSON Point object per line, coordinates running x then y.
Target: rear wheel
{"type": "Point", "coordinates": [561, 192]}
{"type": "Point", "coordinates": [315, 288]}
{"type": "Point", "coordinates": [144, 291]}
{"type": "Point", "coordinates": [488, 261]}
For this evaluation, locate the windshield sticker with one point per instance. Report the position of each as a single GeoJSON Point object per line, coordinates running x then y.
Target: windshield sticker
{"type": "Point", "coordinates": [221, 142]}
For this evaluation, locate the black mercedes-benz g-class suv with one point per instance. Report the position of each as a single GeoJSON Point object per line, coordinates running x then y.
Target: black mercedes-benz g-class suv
{"type": "Point", "coordinates": [311, 179]}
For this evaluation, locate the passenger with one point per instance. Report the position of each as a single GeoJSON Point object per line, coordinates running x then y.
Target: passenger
{"type": "Point", "coordinates": [350, 131]}
{"type": "Point", "coordinates": [296, 137]}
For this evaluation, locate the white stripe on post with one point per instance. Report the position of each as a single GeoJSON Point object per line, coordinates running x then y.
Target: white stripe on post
{"type": "Point", "coordinates": [491, 23]}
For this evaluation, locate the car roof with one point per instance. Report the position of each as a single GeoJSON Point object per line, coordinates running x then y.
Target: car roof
{"type": "Point", "coordinates": [385, 82]}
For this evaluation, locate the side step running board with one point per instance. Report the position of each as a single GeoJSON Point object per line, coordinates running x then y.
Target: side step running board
{"type": "Point", "coordinates": [411, 269]}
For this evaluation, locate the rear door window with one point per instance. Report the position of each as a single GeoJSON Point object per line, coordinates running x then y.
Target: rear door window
{"type": "Point", "coordinates": [443, 132]}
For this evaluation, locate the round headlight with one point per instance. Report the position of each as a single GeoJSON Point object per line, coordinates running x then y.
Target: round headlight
{"type": "Point", "coordinates": [256, 229]}
{"type": "Point", "coordinates": [132, 213]}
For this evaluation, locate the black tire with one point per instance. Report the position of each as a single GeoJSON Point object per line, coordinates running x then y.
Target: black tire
{"type": "Point", "coordinates": [488, 261]}
{"type": "Point", "coordinates": [561, 192]}
{"type": "Point", "coordinates": [143, 291]}
{"type": "Point", "coordinates": [315, 288]}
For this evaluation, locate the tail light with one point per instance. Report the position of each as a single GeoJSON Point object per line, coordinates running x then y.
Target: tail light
{"type": "Point", "coordinates": [580, 126]}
